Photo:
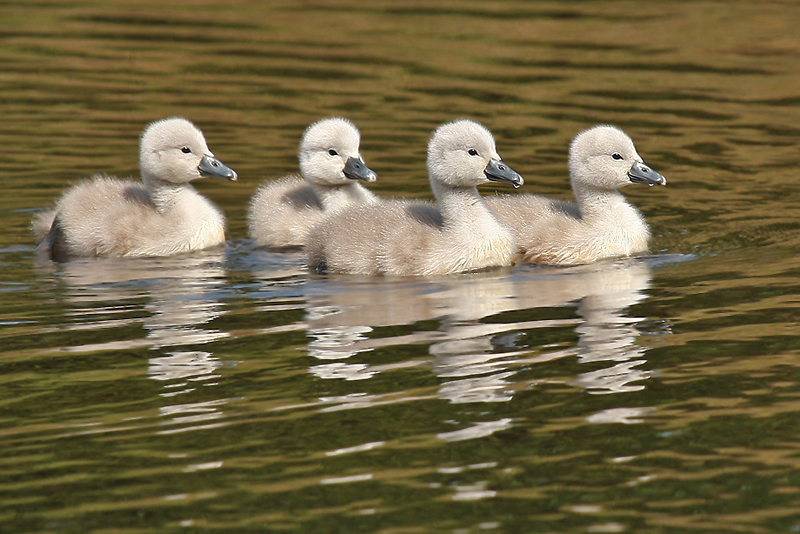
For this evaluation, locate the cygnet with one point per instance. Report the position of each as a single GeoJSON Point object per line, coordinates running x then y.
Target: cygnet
{"type": "Point", "coordinates": [398, 237]}
{"type": "Point", "coordinates": [602, 223]}
{"type": "Point", "coordinates": [162, 216]}
{"type": "Point", "coordinates": [282, 212]}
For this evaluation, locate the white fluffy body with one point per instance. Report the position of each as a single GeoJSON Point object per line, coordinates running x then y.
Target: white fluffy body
{"type": "Point", "coordinates": [282, 212]}
{"type": "Point", "coordinates": [601, 224]}
{"type": "Point", "coordinates": [161, 216]}
{"type": "Point", "coordinates": [457, 234]}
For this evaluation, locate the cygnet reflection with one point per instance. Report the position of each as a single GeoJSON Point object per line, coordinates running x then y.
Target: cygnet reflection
{"type": "Point", "coordinates": [477, 358]}
{"type": "Point", "coordinates": [607, 334]}
{"type": "Point", "coordinates": [181, 368]}
{"type": "Point", "coordinates": [172, 298]}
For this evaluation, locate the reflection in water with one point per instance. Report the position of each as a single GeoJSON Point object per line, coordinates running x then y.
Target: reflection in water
{"type": "Point", "coordinates": [346, 371]}
{"type": "Point", "coordinates": [178, 295]}
{"type": "Point", "coordinates": [328, 342]}
{"type": "Point", "coordinates": [625, 416]}
{"type": "Point", "coordinates": [193, 416]}
{"type": "Point", "coordinates": [491, 388]}
{"type": "Point", "coordinates": [607, 335]}
{"type": "Point", "coordinates": [477, 359]}
{"type": "Point", "coordinates": [183, 366]}
{"type": "Point", "coordinates": [356, 448]}
{"type": "Point", "coordinates": [480, 430]}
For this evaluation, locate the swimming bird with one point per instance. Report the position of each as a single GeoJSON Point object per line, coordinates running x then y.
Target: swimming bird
{"type": "Point", "coordinates": [601, 223]}
{"type": "Point", "coordinates": [397, 237]}
{"type": "Point", "coordinates": [162, 216]}
{"type": "Point", "coordinates": [282, 212]}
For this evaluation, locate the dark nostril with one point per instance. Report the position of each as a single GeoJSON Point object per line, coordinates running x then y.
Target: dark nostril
{"type": "Point", "coordinates": [502, 167]}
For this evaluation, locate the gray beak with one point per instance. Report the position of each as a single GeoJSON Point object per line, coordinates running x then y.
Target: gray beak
{"type": "Point", "coordinates": [640, 173]}
{"type": "Point", "coordinates": [497, 171]}
{"type": "Point", "coordinates": [211, 167]}
{"type": "Point", "coordinates": [356, 169]}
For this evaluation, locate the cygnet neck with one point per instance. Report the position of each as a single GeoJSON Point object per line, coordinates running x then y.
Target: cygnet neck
{"type": "Point", "coordinates": [165, 195]}
{"type": "Point", "coordinates": [461, 205]}
{"type": "Point", "coordinates": [595, 202]}
{"type": "Point", "coordinates": [341, 194]}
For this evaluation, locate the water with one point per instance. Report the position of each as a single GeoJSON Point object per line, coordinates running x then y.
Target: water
{"type": "Point", "coordinates": [232, 391]}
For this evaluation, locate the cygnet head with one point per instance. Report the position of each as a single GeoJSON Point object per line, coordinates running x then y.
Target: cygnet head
{"type": "Point", "coordinates": [462, 154]}
{"type": "Point", "coordinates": [174, 150]}
{"type": "Point", "coordinates": [603, 157]}
{"type": "Point", "coordinates": [329, 154]}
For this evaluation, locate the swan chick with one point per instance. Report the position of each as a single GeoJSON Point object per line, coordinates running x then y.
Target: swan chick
{"type": "Point", "coordinates": [601, 223]}
{"type": "Point", "coordinates": [403, 238]}
{"type": "Point", "coordinates": [162, 216]}
{"type": "Point", "coordinates": [282, 212]}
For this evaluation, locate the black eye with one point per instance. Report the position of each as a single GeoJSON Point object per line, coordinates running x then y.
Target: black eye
{"type": "Point", "coordinates": [616, 155]}
{"type": "Point", "coordinates": [472, 152]}
{"type": "Point", "coordinates": [186, 150]}
{"type": "Point", "coordinates": [332, 152]}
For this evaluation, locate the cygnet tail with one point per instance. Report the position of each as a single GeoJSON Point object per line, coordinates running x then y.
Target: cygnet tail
{"type": "Point", "coordinates": [42, 223]}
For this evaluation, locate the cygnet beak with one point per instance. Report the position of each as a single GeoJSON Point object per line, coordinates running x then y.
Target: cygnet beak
{"type": "Point", "coordinates": [640, 173]}
{"type": "Point", "coordinates": [211, 167]}
{"type": "Point", "coordinates": [356, 169]}
{"type": "Point", "coordinates": [497, 171]}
